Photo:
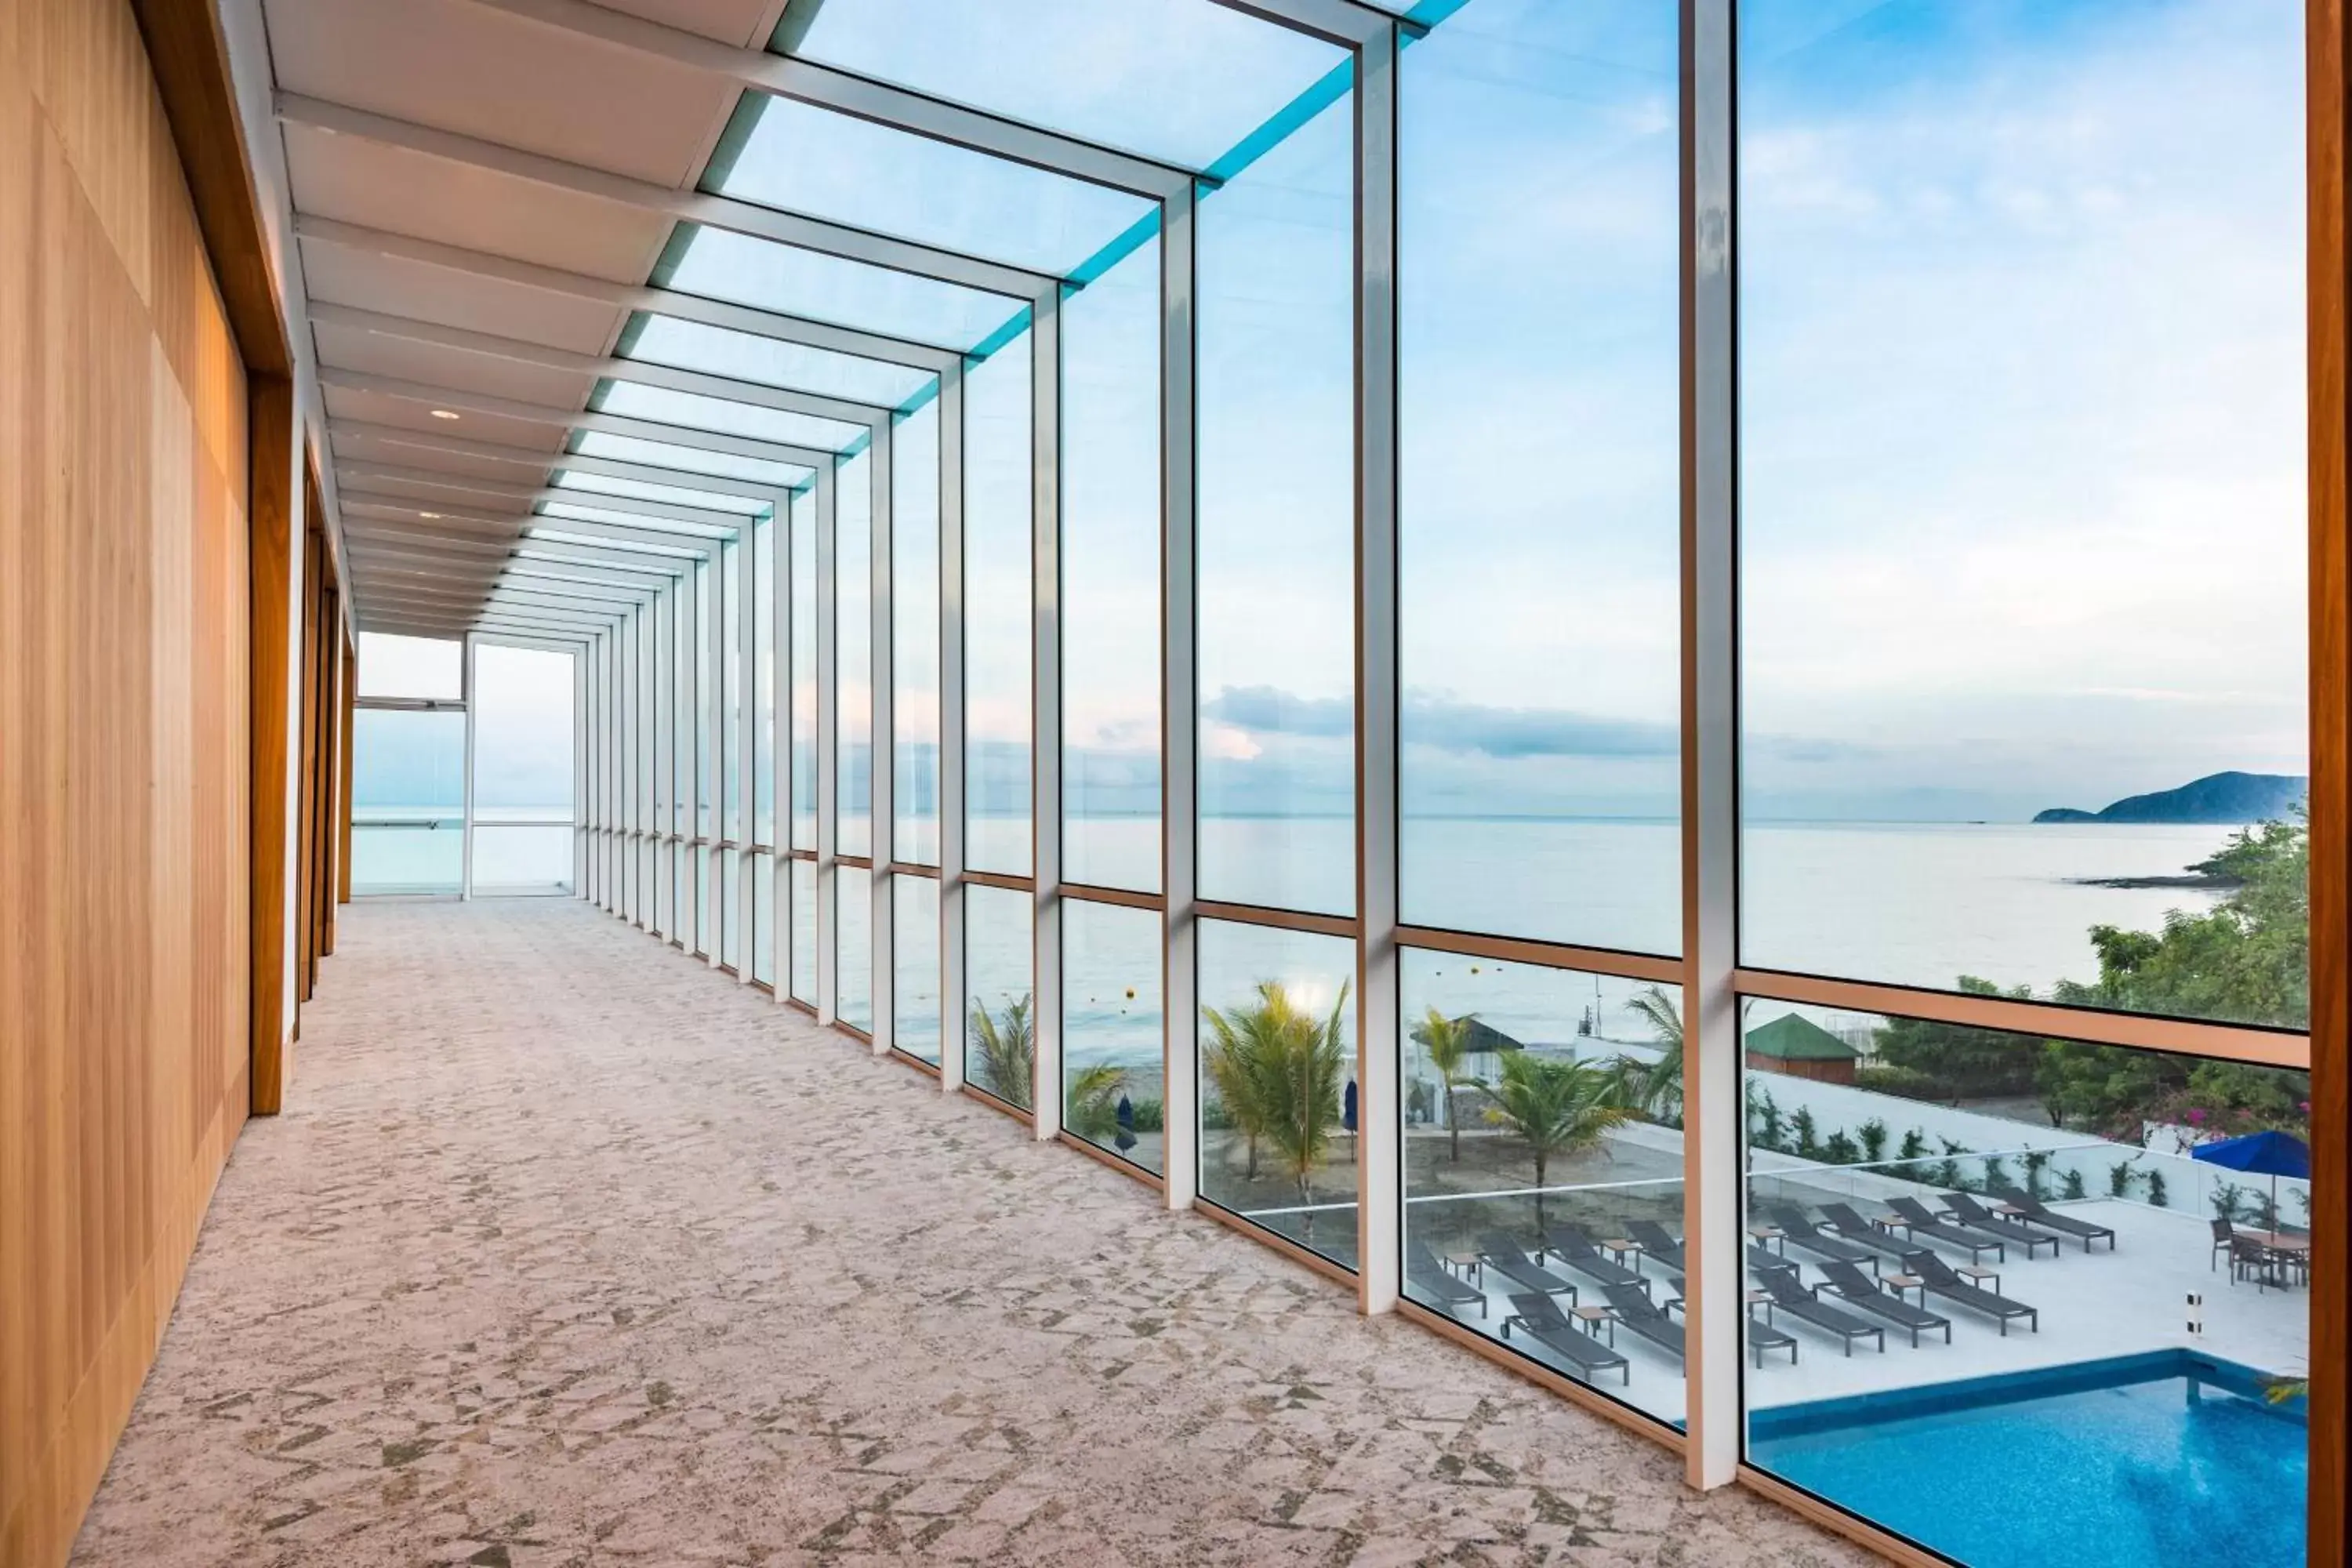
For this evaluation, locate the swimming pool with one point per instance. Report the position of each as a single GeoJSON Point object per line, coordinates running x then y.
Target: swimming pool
{"type": "Point", "coordinates": [2150, 1459]}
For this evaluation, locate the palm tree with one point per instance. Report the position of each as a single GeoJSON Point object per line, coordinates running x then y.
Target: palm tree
{"type": "Point", "coordinates": [1556, 1107]}
{"type": "Point", "coordinates": [1654, 1090]}
{"type": "Point", "coordinates": [1008, 1050]}
{"type": "Point", "coordinates": [1285, 1069]}
{"type": "Point", "coordinates": [1091, 1107]}
{"type": "Point", "coordinates": [1241, 1039]}
{"type": "Point", "coordinates": [1447, 1041]}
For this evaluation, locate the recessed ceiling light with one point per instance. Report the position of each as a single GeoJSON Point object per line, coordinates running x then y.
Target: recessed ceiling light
{"type": "Point", "coordinates": [432, 514]}
{"type": "Point", "coordinates": [443, 414]}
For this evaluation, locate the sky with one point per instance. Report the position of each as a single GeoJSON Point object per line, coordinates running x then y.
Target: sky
{"type": "Point", "coordinates": [523, 711]}
{"type": "Point", "coordinates": [2021, 440]}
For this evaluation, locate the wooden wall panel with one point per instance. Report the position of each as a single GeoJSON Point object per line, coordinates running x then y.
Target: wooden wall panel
{"type": "Point", "coordinates": [123, 795]}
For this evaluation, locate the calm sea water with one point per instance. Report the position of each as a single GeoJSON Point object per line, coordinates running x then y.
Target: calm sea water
{"type": "Point", "coordinates": [1909, 903]}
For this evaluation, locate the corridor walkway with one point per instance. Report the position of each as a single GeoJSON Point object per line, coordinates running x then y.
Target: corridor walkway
{"type": "Point", "coordinates": [570, 1251]}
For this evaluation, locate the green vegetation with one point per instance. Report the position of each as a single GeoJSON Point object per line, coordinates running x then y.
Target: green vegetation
{"type": "Point", "coordinates": [1654, 1090]}
{"type": "Point", "coordinates": [1091, 1110]}
{"type": "Point", "coordinates": [2245, 960]}
{"type": "Point", "coordinates": [1447, 1041]}
{"type": "Point", "coordinates": [1555, 1108]}
{"type": "Point", "coordinates": [1277, 1071]}
{"type": "Point", "coordinates": [1008, 1050]}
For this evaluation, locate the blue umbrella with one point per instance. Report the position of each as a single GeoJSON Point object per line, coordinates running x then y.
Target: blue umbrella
{"type": "Point", "coordinates": [2266, 1153]}
{"type": "Point", "coordinates": [1125, 1138]}
{"type": "Point", "coordinates": [1347, 1114]}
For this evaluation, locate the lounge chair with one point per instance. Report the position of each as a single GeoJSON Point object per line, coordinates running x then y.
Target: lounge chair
{"type": "Point", "coordinates": [1917, 1220]}
{"type": "Point", "coordinates": [1796, 1230]}
{"type": "Point", "coordinates": [1763, 1260]}
{"type": "Point", "coordinates": [1791, 1297]}
{"type": "Point", "coordinates": [1941, 1281]}
{"type": "Point", "coordinates": [1575, 1248]}
{"type": "Point", "coordinates": [1500, 1252]}
{"type": "Point", "coordinates": [1851, 1226]}
{"type": "Point", "coordinates": [1966, 1211]}
{"type": "Point", "coordinates": [1762, 1336]}
{"type": "Point", "coordinates": [1424, 1273]}
{"type": "Point", "coordinates": [1543, 1322]}
{"type": "Point", "coordinates": [1645, 1318]}
{"type": "Point", "coordinates": [1657, 1242]}
{"type": "Point", "coordinates": [1865, 1293]}
{"type": "Point", "coordinates": [2038, 1213]}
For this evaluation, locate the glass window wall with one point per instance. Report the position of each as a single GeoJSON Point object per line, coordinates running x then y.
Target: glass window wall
{"type": "Point", "coordinates": [998, 604]}
{"type": "Point", "coordinates": [1000, 1030]}
{"type": "Point", "coordinates": [915, 633]}
{"type": "Point", "coordinates": [1113, 1063]}
{"type": "Point", "coordinates": [915, 957]}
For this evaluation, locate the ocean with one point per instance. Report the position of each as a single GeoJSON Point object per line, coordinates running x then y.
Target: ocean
{"type": "Point", "coordinates": [1907, 903]}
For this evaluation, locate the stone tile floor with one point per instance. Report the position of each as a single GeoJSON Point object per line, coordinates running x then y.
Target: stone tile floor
{"type": "Point", "coordinates": [570, 1251]}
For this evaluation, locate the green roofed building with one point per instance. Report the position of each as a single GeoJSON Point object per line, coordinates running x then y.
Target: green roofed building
{"type": "Point", "coordinates": [1798, 1048]}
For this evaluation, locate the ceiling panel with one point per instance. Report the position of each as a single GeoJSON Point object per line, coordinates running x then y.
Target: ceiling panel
{"type": "Point", "coordinates": [337, 275]}
{"type": "Point", "coordinates": [481, 72]}
{"type": "Point", "coordinates": [343, 403]}
{"type": "Point", "coordinates": [349, 447]}
{"type": "Point", "coordinates": [747, 23]}
{"type": "Point", "coordinates": [364, 181]}
{"type": "Point", "coordinates": [377, 353]}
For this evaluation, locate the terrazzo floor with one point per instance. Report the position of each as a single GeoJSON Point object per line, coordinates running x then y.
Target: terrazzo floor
{"type": "Point", "coordinates": [571, 1251]}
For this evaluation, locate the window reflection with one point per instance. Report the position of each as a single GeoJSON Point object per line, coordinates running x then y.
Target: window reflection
{"type": "Point", "coordinates": [1000, 1037]}
{"type": "Point", "coordinates": [915, 957]}
{"type": "Point", "coordinates": [2083, 1268]}
{"type": "Point", "coordinates": [998, 603]}
{"type": "Point", "coordinates": [914, 633]}
{"type": "Point", "coordinates": [1540, 466]}
{"type": "Point", "coordinates": [1113, 1058]}
{"type": "Point", "coordinates": [1110, 577]}
{"type": "Point", "coordinates": [1543, 1167]}
{"type": "Point", "coordinates": [1276, 585]}
{"type": "Point", "coordinates": [853, 925]}
{"type": "Point", "coordinates": [1279, 1100]}
{"type": "Point", "coordinates": [2023, 287]}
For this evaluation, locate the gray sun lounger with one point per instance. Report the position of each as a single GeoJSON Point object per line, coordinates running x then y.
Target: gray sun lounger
{"type": "Point", "coordinates": [1790, 1295]}
{"type": "Point", "coordinates": [1762, 1336]}
{"type": "Point", "coordinates": [1796, 1230]}
{"type": "Point", "coordinates": [1942, 1281]}
{"type": "Point", "coordinates": [1848, 1225]}
{"type": "Point", "coordinates": [1657, 1242]}
{"type": "Point", "coordinates": [1645, 1318]}
{"type": "Point", "coordinates": [1542, 1320]}
{"type": "Point", "coordinates": [1502, 1255]}
{"type": "Point", "coordinates": [1424, 1273]}
{"type": "Point", "coordinates": [2038, 1213]}
{"type": "Point", "coordinates": [1865, 1293]}
{"type": "Point", "coordinates": [1575, 1248]}
{"type": "Point", "coordinates": [1762, 1260]}
{"type": "Point", "coordinates": [1965, 1210]}
{"type": "Point", "coordinates": [1917, 1219]}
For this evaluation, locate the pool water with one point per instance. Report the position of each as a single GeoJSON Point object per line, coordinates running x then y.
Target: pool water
{"type": "Point", "coordinates": [2160, 1458]}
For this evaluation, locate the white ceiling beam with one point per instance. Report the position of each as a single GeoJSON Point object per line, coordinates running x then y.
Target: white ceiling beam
{"type": "Point", "coordinates": [775, 496]}
{"type": "Point", "coordinates": [459, 400]}
{"type": "Point", "coordinates": [574, 572]}
{"type": "Point", "coordinates": [759, 393]}
{"type": "Point", "coordinates": [1343, 22]}
{"type": "Point", "coordinates": [773, 223]}
{"type": "Point", "coordinates": [806, 81]}
{"type": "Point", "coordinates": [747, 318]}
{"type": "Point", "coordinates": [596, 555]}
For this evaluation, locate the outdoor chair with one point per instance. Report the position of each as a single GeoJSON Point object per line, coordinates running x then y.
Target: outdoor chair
{"type": "Point", "coordinates": [1848, 1225]}
{"type": "Point", "coordinates": [1502, 1254]}
{"type": "Point", "coordinates": [1424, 1273]}
{"type": "Point", "coordinates": [1575, 1248]}
{"type": "Point", "coordinates": [2038, 1213]}
{"type": "Point", "coordinates": [1539, 1317]}
{"type": "Point", "coordinates": [1916, 1220]}
{"type": "Point", "coordinates": [1796, 1230]}
{"type": "Point", "coordinates": [1791, 1297]}
{"type": "Point", "coordinates": [1966, 1211]}
{"type": "Point", "coordinates": [1657, 1242]}
{"type": "Point", "coordinates": [1941, 1281]}
{"type": "Point", "coordinates": [1638, 1314]}
{"type": "Point", "coordinates": [1868, 1295]}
